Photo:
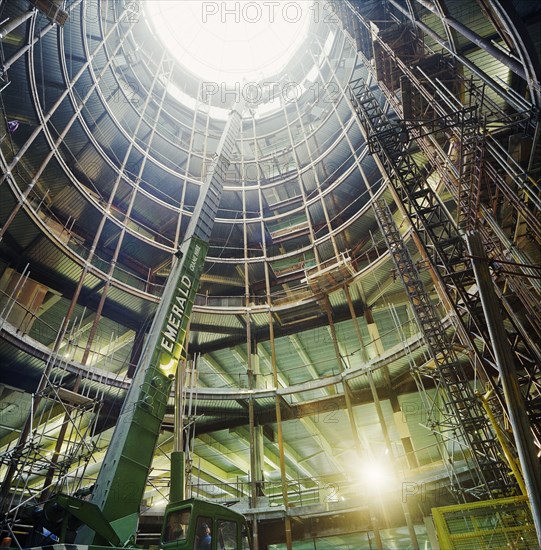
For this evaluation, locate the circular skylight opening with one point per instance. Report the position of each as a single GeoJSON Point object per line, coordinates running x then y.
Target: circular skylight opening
{"type": "Point", "coordinates": [231, 41]}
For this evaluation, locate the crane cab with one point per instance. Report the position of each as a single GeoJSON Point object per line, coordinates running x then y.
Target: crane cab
{"type": "Point", "coordinates": [194, 524]}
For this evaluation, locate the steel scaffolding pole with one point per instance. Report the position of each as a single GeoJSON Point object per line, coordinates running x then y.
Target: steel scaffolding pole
{"type": "Point", "coordinates": [509, 380]}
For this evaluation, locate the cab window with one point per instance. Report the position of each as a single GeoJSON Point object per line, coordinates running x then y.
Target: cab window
{"type": "Point", "coordinates": [245, 538]}
{"type": "Point", "coordinates": [177, 525]}
{"type": "Point", "coordinates": [203, 534]}
{"type": "Point", "coordinates": [227, 535]}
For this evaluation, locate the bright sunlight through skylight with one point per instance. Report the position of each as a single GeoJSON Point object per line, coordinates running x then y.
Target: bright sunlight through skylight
{"type": "Point", "coordinates": [231, 41]}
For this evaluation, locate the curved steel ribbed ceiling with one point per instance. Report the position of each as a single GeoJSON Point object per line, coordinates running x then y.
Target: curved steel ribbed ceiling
{"type": "Point", "coordinates": [112, 150]}
{"type": "Point", "coordinates": [143, 135]}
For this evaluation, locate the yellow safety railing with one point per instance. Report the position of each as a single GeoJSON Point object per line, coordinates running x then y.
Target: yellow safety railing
{"type": "Point", "coordinates": [498, 524]}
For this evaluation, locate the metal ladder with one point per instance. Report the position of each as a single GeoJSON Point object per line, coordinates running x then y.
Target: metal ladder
{"type": "Point", "coordinates": [464, 410]}
{"type": "Point", "coordinates": [446, 250]}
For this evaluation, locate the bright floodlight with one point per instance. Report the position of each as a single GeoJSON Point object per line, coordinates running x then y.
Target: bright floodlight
{"type": "Point", "coordinates": [375, 476]}
{"type": "Point", "coordinates": [231, 41]}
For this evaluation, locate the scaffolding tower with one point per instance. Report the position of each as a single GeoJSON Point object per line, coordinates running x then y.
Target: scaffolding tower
{"type": "Point", "coordinates": [451, 118]}
{"type": "Point", "coordinates": [464, 414]}
{"type": "Point", "coordinates": [54, 447]}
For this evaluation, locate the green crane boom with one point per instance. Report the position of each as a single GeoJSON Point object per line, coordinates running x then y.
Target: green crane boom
{"type": "Point", "coordinates": [121, 482]}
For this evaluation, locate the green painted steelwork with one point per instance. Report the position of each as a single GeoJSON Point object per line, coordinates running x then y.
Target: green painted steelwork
{"type": "Point", "coordinates": [178, 464]}
{"type": "Point", "coordinates": [121, 482]}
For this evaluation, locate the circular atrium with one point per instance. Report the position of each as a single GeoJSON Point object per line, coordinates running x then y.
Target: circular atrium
{"type": "Point", "coordinates": [278, 257]}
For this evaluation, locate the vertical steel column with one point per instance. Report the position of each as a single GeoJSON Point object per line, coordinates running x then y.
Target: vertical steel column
{"type": "Point", "coordinates": [506, 366]}
{"type": "Point", "coordinates": [349, 407]}
{"type": "Point", "coordinates": [347, 391]}
{"type": "Point", "coordinates": [299, 179]}
{"type": "Point", "coordinates": [254, 435]}
{"type": "Point", "coordinates": [277, 398]}
{"type": "Point", "coordinates": [283, 474]}
{"type": "Point", "coordinates": [381, 417]}
{"type": "Point", "coordinates": [253, 449]}
{"type": "Point", "coordinates": [364, 355]}
{"type": "Point", "coordinates": [387, 439]}
{"type": "Point", "coordinates": [315, 174]}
